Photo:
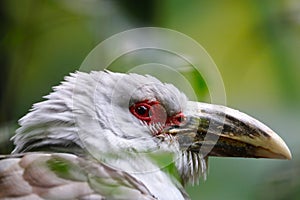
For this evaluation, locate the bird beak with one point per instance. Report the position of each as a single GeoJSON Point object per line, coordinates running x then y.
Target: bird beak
{"type": "Point", "coordinates": [215, 130]}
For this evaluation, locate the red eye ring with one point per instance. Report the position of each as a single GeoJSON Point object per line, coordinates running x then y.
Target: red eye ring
{"type": "Point", "coordinates": [152, 112]}
{"type": "Point", "coordinates": [141, 110]}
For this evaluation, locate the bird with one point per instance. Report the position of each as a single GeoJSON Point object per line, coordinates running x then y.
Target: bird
{"type": "Point", "coordinates": [110, 135]}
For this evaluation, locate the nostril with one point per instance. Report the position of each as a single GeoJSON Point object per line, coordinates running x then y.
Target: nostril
{"type": "Point", "coordinates": [180, 118]}
{"type": "Point", "coordinates": [177, 119]}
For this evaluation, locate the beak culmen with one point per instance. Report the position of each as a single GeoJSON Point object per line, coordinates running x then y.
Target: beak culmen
{"type": "Point", "coordinates": [215, 130]}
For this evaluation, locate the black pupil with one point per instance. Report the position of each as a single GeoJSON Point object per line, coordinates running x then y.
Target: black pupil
{"type": "Point", "coordinates": [141, 110]}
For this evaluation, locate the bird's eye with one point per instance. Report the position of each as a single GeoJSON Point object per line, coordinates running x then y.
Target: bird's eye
{"type": "Point", "coordinates": [149, 112]}
{"type": "Point", "coordinates": [152, 112]}
{"type": "Point", "coordinates": [142, 110]}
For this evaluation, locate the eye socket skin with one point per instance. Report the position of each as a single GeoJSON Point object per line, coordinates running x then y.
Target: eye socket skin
{"type": "Point", "coordinates": [153, 112]}
{"type": "Point", "coordinates": [145, 110]}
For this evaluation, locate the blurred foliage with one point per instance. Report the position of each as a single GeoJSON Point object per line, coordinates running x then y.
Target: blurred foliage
{"type": "Point", "coordinates": [283, 185]}
{"type": "Point", "coordinates": [254, 43]}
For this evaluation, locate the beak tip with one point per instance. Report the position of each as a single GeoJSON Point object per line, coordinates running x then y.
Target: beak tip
{"type": "Point", "coordinates": [289, 157]}
{"type": "Point", "coordinates": [286, 152]}
{"type": "Point", "coordinates": [278, 148]}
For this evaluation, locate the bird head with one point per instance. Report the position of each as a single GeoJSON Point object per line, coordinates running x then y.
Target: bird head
{"type": "Point", "coordinates": [126, 116]}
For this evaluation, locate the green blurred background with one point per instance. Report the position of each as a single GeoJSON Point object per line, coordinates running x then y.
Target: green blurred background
{"type": "Point", "coordinates": [255, 44]}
